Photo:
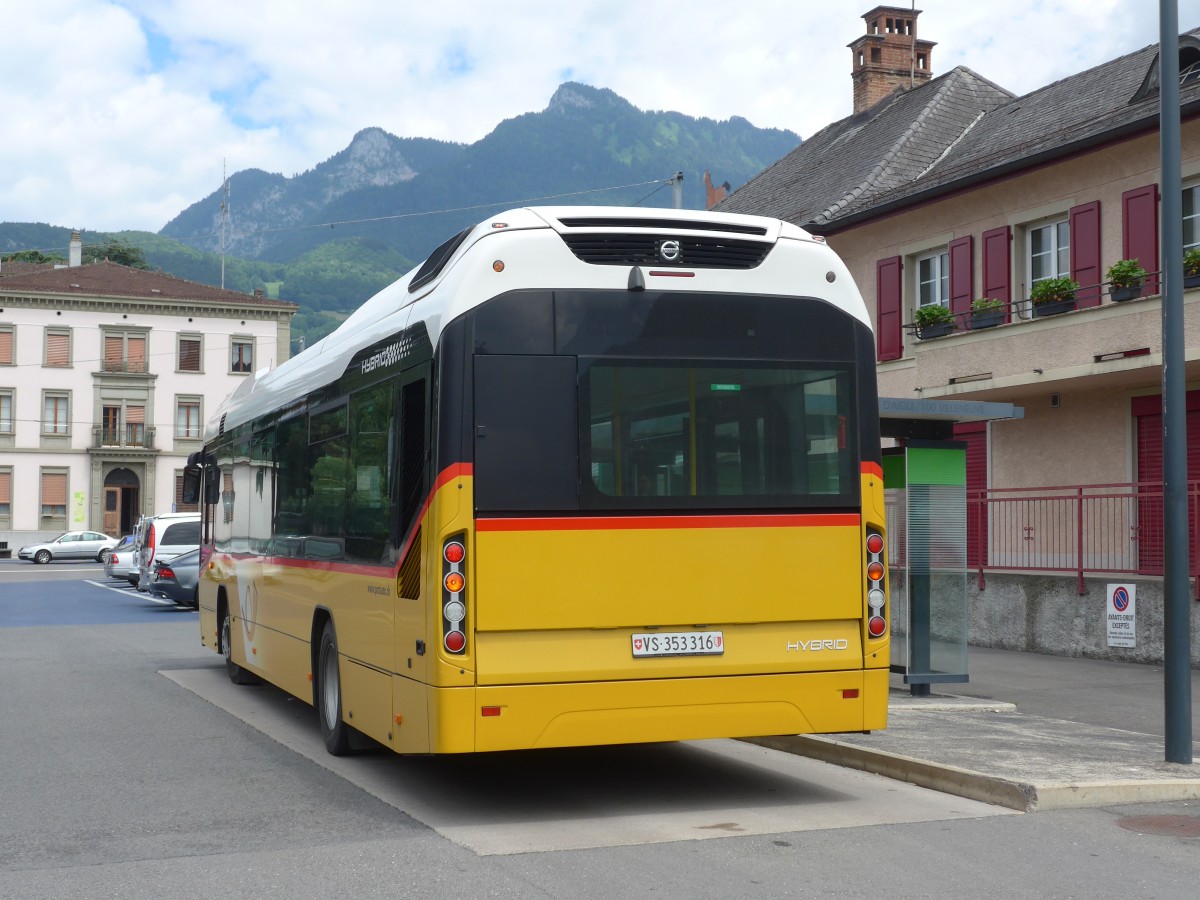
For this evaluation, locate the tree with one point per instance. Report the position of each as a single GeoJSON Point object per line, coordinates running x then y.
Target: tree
{"type": "Point", "coordinates": [118, 251]}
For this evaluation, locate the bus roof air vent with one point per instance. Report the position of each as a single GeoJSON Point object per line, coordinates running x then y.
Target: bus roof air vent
{"type": "Point", "coordinates": [674, 225]}
{"type": "Point", "coordinates": [221, 427]}
{"type": "Point", "coordinates": [433, 266]}
{"type": "Point", "coordinates": [674, 249]}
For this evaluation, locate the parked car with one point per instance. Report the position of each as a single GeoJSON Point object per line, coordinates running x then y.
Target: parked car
{"type": "Point", "coordinates": [120, 559]}
{"type": "Point", "coordinates": [72, 545]}
{"type": "Point", "coordinates": [164, 537]}
{"type": "Point", "coordinates": [175, 579]}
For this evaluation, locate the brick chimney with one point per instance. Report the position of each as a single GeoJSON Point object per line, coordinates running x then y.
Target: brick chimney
{"type": "Point", "coordinates": [888, 55]}
{"type": "Point", "coordinates": [75, 251]}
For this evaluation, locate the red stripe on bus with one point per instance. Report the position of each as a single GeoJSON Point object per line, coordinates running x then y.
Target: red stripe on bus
{"type": "Point", "coordinates": [871, 468]}
{"type": "Point", "coordinates": [617, 523]}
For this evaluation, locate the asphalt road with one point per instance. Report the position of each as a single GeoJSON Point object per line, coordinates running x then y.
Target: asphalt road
{"type": "Point", "coordinates": [130, 767]}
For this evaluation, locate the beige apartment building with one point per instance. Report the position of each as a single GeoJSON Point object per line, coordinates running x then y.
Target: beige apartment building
{"type": "Point", "coordinates": [938, 191]}
{"type": "Point", "coordinates": [107, 375]}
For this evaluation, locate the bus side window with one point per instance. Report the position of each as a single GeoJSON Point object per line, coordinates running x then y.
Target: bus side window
{"type": "Point", "coordinates": [291, 500]}
{"type": "Point", "coordinates": [367, 500]}
{"type": "Point", "coordinates": [412, 481]}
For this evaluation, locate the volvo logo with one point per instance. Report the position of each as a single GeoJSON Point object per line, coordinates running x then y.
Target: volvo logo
{"type": "Point", "coordinates": [670, 251]}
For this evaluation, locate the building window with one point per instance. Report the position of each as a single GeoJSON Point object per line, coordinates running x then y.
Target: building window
{"type": "Point", "coordinates": [187, 418]}
{"type": "Point", "coordinates": [135, 426]}
{"type": "Point", "coordinates": [56, 413]}
{"type": "Point", "coordinates": [180, 506]}
{"type": "Point", "coordinates": [123, 425]}
{"type": "Point", "coordinates": [6, 496]}
{"type": "Point", "coordinates": [242, 358]}
{"type": "Point", "coordinates": [124, 352]}
{"type": "Point", "coordinates": [189, 353]}
{"type": "Point", "coordinates": [1191, 218]}
{"type": "Point", "coordinates": [6, 346]}
{"type": "Point", "coordinates": [933, 279]}
{"type": "Point", "coordinates": [58, 347]}
{"type": "Point", "coordinates": [1049, 251]}
{"type": "Point", "coordinates": [6, 411]}
{"type": "Point", "coordinates": [54, 499]}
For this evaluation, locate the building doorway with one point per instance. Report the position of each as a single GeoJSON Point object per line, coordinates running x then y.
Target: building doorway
{"type": "Point", "coordinates": [122, 501]}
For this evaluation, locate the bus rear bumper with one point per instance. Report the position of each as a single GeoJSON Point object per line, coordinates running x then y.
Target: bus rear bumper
{"type": "Point", "coordinates": [569, 715]}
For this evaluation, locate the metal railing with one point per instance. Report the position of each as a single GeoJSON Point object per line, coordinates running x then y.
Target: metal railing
{"type": "Point", "coordinates": [1094, 528]}
{"type": "Point", "coordinates": [107, 438]}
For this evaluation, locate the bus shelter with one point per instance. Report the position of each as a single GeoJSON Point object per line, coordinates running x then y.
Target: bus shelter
{"type": "Point", "coordinates": [925, 491]}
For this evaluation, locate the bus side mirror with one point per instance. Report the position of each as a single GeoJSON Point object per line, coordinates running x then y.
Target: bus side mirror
{"type": "Point", "coordinates": [212, 486]}
{"type": "Point", "coordinates": [191, 484]}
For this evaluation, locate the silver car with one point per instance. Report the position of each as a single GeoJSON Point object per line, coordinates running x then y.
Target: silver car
{"type": "Point", "coordinates": [120, 559]}
{"type": "Point", "coordinates": [72, 545]}
{"type": "Point", "coordinates": [175, 579]}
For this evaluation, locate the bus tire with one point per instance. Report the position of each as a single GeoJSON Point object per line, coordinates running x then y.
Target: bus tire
{"type": "Point", "coordinates": [329, 695]}
{"type": "Point", "coordinates": [236, 673]}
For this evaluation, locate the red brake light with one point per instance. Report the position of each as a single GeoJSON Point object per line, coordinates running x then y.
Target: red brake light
{"type": "Point", "coordinates": [150, 538]}
{"type": "Point", "coordinates": [875, 543]}
{"type": "Point", "coordinates": [455, 553]}
{"type": "Point", "coordinates": [165, 572]}
{"type": "Point", "coordinates": [455, 641]}
{"type": "Point", "coordinates": [877, 626]}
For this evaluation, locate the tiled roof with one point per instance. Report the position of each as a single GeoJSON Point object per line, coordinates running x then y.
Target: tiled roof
{"type": "Point", "coordinates": [109, 279]}
{"type": "Point", "coordinates": [955, 130]}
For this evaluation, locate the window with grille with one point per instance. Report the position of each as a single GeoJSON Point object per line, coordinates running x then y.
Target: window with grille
{"type": "Point", "coordinates": [5, 494]}
{"type": "Point", "coordinates": [242, 355]}
{"type": "Point", "coordinates": [54, 495]}
{"type": "Point", "coordinates": [189, 353]}
{"type": "Point", "coordinates": [6, 411]}
{"type": "Point", "coordinates": [187, 418]}
{"type": "Point", "coordinates": [56, 414]}
{"type": "Point", "coordinates": [124, 352]}
{"type": "Point", "coordinates": [58, 347]}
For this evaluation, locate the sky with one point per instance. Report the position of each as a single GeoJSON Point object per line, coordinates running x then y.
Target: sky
{"type": "Point", "coordinates": [119, 114]}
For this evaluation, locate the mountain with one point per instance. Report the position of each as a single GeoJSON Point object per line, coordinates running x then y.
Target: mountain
{"type": "Point", "coordinates": [410, 194]}
{"type": "Point", "coordinates": [331, 237]}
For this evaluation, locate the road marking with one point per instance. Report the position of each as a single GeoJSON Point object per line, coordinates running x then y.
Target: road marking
{"type": "Point", "coordinates": [586, 797]}
{"type": "Point", "coordinates": [130, 590]}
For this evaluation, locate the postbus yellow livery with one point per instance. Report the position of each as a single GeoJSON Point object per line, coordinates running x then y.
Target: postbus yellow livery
{"type": "Point", "coordinates": [586, 476]}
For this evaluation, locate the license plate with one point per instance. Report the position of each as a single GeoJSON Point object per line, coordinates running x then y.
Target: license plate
{"type": "Point", "coordinates": [679, 643]}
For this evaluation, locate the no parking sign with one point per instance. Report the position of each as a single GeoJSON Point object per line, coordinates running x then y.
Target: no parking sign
{"type": "Point", "coordinates": [1122, 609]}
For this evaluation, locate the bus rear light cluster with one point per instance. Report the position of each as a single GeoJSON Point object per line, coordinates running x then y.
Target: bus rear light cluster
{"type": "Point", "coordinates": [876, 587]}
{"type": "Point", "coordinates": [454, 598]}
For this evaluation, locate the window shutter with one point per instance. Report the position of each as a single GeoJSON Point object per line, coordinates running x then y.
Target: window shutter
{"type": "Point", "coordinates": [962, 274]}
{"type": "Point", "coordinates": [997, 265]}
{"type": "Point", "coordinates": [189, 355]}
{"type": "Point", "coordinates": [137, 354]}
{"type": "Point", "coordinates": [58, 348]}
{"type": "Point", "coordinates": [974, 434]}
{"type": "Point", "coordinates": [1085, 253]}
{"type": "Point", "coordinates": [135, 415]}
{"type": "Point", "coordinates": [113, 353]}
{"type": "Point", "coordinates": [1139, 235]}
{"type": "Point", "coordinates": [5, 488]}
{"type": "Point", "coordinates": [888, 332]}
{"type": "Point", "coordinates": [54, 489]}
{"type": "Point", "coordinates": [6, 347]}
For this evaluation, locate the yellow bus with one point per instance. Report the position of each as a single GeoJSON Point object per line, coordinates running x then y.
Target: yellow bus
{"type": "Point", "coordinates": [586, 476]}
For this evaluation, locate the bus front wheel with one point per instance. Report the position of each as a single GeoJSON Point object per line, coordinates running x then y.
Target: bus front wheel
{"type": "Point", "coordinates": [329, 695]}
{"type": "Point", "coordinates": [236, 673]}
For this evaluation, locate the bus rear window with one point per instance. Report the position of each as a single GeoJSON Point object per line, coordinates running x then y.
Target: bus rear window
{"type": "Point", "coordinates": [674, 435]}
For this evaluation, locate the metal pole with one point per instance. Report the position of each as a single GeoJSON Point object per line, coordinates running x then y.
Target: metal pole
{"type": "Point", "coordinates": [1177, 683]}
{"type": "Point", "coordinates": [677, 189]}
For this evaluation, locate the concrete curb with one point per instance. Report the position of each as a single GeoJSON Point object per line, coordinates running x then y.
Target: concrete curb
{"type": "Point", "coordinates": [1021, 796]}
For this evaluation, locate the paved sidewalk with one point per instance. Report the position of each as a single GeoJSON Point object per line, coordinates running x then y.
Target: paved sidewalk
{"type": "Point", "coordinates": [1028, 732]}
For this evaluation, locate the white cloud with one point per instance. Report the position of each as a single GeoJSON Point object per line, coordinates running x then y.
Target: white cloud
{"type": "Point", "coordinates": [102, 132]}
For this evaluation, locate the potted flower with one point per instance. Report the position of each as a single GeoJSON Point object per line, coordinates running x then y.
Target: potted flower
{"type": "Point", "coordinates": [987, 312]}
{"type": "Point", "coordinates": [933, 321]}
{"type": "Point", "coordinates": [1052, 296]}
{"type": "Point", "coordinates": [1125, 280]}
{"type": "Point", "coordinates": [1191, 268]}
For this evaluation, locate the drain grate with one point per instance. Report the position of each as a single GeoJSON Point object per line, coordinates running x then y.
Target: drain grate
{"type": "Point", "coordinates": [1172, 826]}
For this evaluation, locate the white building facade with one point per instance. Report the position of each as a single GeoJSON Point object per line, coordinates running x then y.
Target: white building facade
{"type": "Point", "coordinates": [107, 375]}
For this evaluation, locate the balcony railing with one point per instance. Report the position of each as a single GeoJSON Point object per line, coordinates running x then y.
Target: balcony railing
{"type": "Point", "coordinates": [126, 366]}
{"type": "Point", "coordinates": [109, 438]}
{"type": "Point", "coordinates": [1081, 529]}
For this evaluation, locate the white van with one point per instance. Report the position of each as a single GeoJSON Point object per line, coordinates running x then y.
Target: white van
{"type": "Point", "coordinates": [164, 537]}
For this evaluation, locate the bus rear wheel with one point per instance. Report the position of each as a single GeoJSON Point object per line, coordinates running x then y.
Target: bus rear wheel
{"type": "Point", "coordinates": [236, 673]}
{"type": "Point", "coordinates": [329, 695]}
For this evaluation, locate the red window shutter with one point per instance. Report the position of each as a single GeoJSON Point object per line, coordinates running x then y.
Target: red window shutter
{"type": "Point", "coordinates": [1085, 253]}
{"type": "Point", "coordinates": [962, 274]}
{"type": "Point", "coordinates": [997, 265]}
{"type": "Point", "coordinates": [1139, 231]}
{"type": "Point", "coordinates": [888, 332]}
{"type": "Point", "coordinates": [6, 347]}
